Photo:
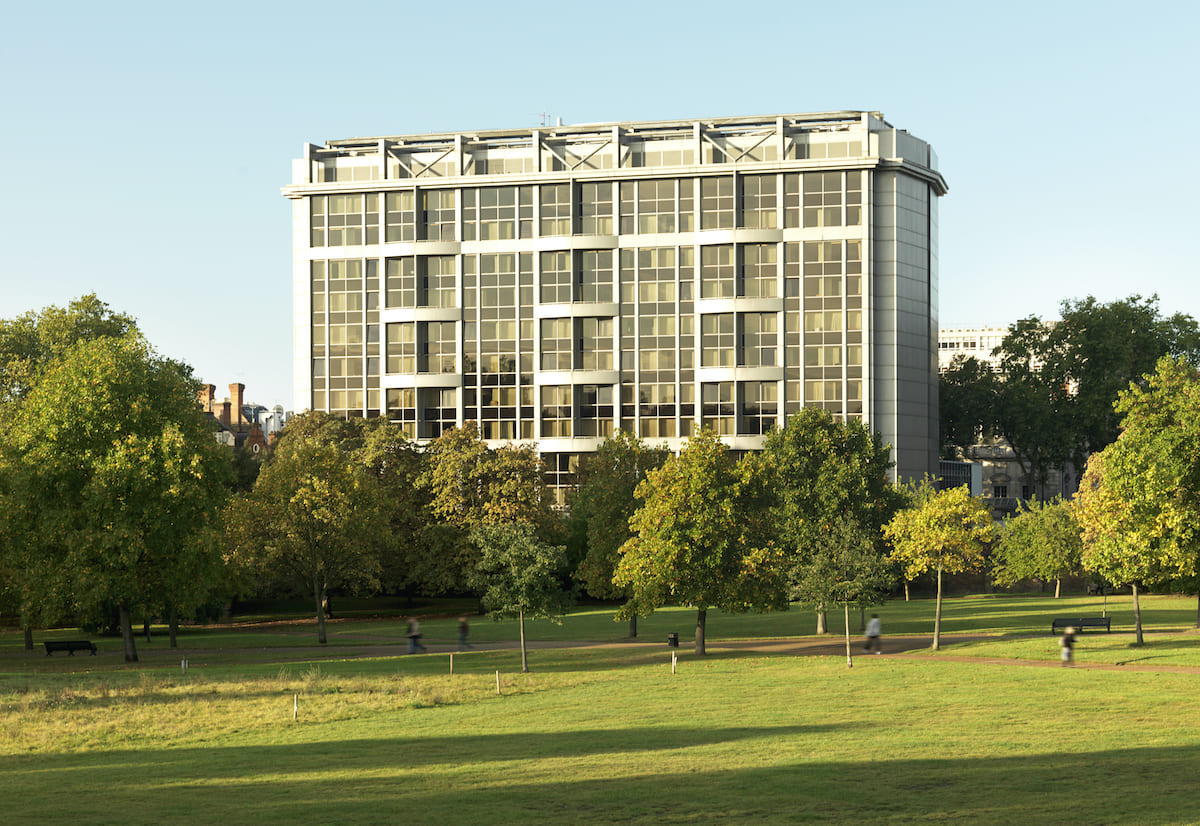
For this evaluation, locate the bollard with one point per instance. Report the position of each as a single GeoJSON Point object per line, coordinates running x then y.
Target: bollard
{"type": "Point", "coordinates": [451, 662]}
{"type": "Point", "coordinates": [497, 682]}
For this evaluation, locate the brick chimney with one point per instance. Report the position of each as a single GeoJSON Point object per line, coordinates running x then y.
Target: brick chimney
{"type": "Point", "coordinates": [235, 398]}
{"type": "Point", "coordinates": [206, 394]}
{"type": "Point", "coordinates": [223, 416]}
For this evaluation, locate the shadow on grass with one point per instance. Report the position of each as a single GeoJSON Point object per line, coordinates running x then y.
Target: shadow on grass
{"type": "Point", "coordinates": [540, 778]}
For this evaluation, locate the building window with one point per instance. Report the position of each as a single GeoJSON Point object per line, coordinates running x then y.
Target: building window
{"type": "Point", "coordinates": [596, 208]}
{"type": "Point", "coordinates": [556, 209]}
{"type": "Point", "coordinates": [760, 337]}
{"type": "Point", "coordinates": [556, 411]}
{"type": "Point", "coordinates": [438, 411]}
{"type": "Point", "coordinates": [556, 344]}
{"type": "Point", "coordinates": [717, 340]}
{"type": "Point", "coordinates": [437, 214]}
{"type": "Point", "coordinates": [760, 407]}
{"type": "Point", "coordinates": [656, 206]}
{"type": "Point", "coordinates": [1000, 491]}
{"type": "Point", "coordinates": [717, 272]}
{"type": "Point", "coordinates": [716, 203]}
{"type": "Point", "coordinates": [498, 412]}
{"type": "Point", "coordinates": [555, 278]}
{"type": "Point", "coordinates": [401, 224]}
{"type": "Point", "coordinates": [595, 407]}
{"type": "Point", "coordinates": [438, 281]}
{"type": "Point", "coordinates": [717, 407]}
{"type": "Point", "coordinates": [401, 348]}
{"type": "Point", "coordinates": [759, 272]}
{"type": "Point", "coordinates": [497, 213]}
{"type": "Point", "coordinates": [595, 351]}
{"type": "Point", "coordinates": [438, 346]}
{"type": "Point", "coordinates": [656, 410]}
{"type": "Point", "coordinates": [344, 220]}
{"type": "Point", "coordinates": [595, 276]}
{"type": "Point", "coordinates": [400, 282]}
{"type": "Point", "coordinates": [758, 202]}
{"type": "Point", "coordinates": [402, 409]}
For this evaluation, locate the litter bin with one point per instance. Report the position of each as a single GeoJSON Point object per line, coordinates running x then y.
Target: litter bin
{"type": "Point", "coordinates": [673, 639]}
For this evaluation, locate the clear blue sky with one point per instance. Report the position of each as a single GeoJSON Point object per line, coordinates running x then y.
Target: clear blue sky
{"type": "Point", "coordinates": [146, 143]}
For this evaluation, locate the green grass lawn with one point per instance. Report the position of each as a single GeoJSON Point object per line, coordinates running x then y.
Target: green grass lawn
{"type": "Point", "coordinates": [610, 734]}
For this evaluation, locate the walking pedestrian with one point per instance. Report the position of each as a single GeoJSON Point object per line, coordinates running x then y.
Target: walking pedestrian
{"type": "Point", "coordinates": [414, 636]}
{"type": "Point", "coordinates": [1067, 643]}
{"type": "Point", "coordinates": [874, 630]}
{"type": "Point", "coordinates": [463, 630]}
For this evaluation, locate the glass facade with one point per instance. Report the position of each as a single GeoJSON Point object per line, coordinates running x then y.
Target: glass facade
{"type": "Point", "coordinates": [614, 285]}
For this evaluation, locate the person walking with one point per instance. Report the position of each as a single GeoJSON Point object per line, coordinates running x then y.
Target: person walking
{"type": "Point", "coordinates": [874, 630]}
{"type": "Point", "coordinates": [1067, 643]}
{"type": "Point", "coordinates": [463, 630]}
{"type": "Point", "coordinates": [414, 636]}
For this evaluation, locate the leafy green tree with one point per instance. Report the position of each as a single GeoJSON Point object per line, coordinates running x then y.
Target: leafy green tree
{"type": "Point", "coordinates": [30, 343]}
{"type": "Point", "coordinates": [844, 566]}
{"type": "Point", "coordinates": [1062, 378]}
{"type": "Point", "coordinates": [603, 505]}
{"type": "Point", "coordinates": [700, 538]}
{"type": "Point", "coordinates": [519, 575]}
{"type": "Point", "coordinates": [316, 513]}
{"type": "Point", "coordinates": [470, 484]}
{"type": "Point", "coordinates": [945, 531]}
{"type": "Point", "coordinates": [115, 474]}
{"type": "Point", "coordinates": [820, 472]}
{"type": "Point", "coordinates": [968, 394]}
{"type": "Point", "coordinates": [1138, 505]}
{"type": "Point", "coordinates": [1041, 541]}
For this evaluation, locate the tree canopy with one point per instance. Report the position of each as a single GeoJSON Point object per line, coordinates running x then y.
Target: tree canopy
{"type": "Point", "coordinates": [1041, 541]}
{"type": "Point", "coordinates": [944, 531]}
{"type": "Point", "coordinates": [1138, 506]}
{"type": "Point", "coordinates": [824, 478]}
{"type": "Point", "coordinates": [700, 538]}
{"type": "Point", "coordinates": [112, 474]}
{"type": "Point", "coordinates": [1062, 378]}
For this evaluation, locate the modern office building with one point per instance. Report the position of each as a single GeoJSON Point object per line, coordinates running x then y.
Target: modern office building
{"type": "Point", "coordinates": [557, 284]}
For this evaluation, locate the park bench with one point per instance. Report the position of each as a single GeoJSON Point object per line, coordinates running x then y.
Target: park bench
{"type": "Point", "coordinates": [70, 646]}
{"type": "Point", "coordinates": [1080, 623]}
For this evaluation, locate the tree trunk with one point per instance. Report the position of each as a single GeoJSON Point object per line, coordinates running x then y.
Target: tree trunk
{"type": "Point", "coordinates": [862, 620]}
{"type": "Point", "coordinates": [1057, 587]}
{"type": "Point", "coordinates": [822, 620]}
{"type": "Point", "coordinates": [28, 629]}
{"type": "Point", "coordinates": [1197, 619]}
{"type": "Point", "coordinates": [633, 627]}
{"type": "Point", "coordinates": [318, 596]}
{"type": "Point", "coordinates": [146, 629]}
{"type": "Point", "coordinates": [1137, 616]}
{"type": "Point", "coordinates": [173, 624]}
{"type": "Point", "coordinates": [849, 656]}
{"type": "Point", "coordinates": [937, 614]}
{"type": "Point", "coordinates": [127, 634]}
{"type": "Point", "coordinates": [701, 618]}
{"type": "Point", "coordinates": [906, 590]}
{"type": "Point", "coordinates": [524, 655]}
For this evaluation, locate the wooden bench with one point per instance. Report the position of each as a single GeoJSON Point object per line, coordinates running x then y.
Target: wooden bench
{"type": "Point", "coordinates": [70, 646]}
{"type": "Point", "coordinates": [1080, 623]}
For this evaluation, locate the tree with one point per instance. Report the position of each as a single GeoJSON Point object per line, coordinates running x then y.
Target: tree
{"type": "Point", "coordinates": [519, 575]}
{"type": "Point", "coordinates": [944, 531]}
{"type": "Point", "coordinates": [603, 505]}
{"type": "Point", "coordinates": [820, 472]}
{"type": "Point", "coordinates": [115, 473]}
{"type": "Point", "coordinates": [30, 343]}
{"type": "Point", "coordinates": [1138, 505]}
{"type": "Point", "coordinates": [968, 393]}
{"type": "Point", "coordinates": [700, 538]}
{"type": "Point", "coordinates": [316, 512]}
{"type": "Point", "coordinates": [844, 566]}
{"type": "Point", "coordinates": [1041, 541]}
{"type": "Point", "coordinates": [1062, 378]}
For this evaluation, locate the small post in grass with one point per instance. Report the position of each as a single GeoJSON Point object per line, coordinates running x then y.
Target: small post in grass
{"type": "Point", "coordinates": [497, 682]}
{"type": "Point", "coordinates": [451, 662]}
{"type": "Point", "coordinates": [673, 658]}
{"type": "Point", "coordinates": [295, 706]}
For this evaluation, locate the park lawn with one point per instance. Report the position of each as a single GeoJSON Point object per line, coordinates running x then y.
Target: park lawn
{"type": "Point", "coordinates": [598, 735]}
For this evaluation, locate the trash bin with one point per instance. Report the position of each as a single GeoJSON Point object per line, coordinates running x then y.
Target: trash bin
{"type": "Point", "coordinates": [673, 639]}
